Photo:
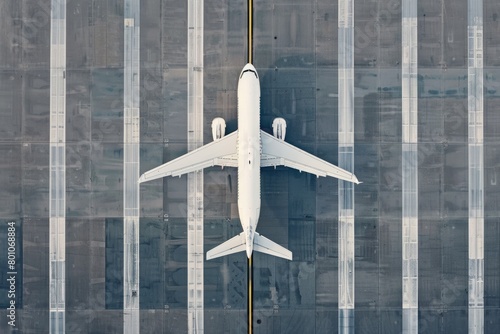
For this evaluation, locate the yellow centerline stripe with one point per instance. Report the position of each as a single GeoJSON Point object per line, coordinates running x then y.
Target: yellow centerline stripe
{"type": "Point", "coordinates": [250, 296]}
{"type": "Point", "coordinates": [250, 31]}
{"type": "Point", "coordinates": [250, 260]}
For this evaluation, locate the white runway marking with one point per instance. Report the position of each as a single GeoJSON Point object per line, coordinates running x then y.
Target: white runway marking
{"type": "Point", "coordinates": [131, 142]}
{"type": "Point", "coordinates": [195, 179]}
{"type": "Point", "coordinates": [57, 177]}
{"type": "Point", "coordinates": [409, 83]}
{"type": "Point", "coordinates": [346, 161]}
{"type": "Point", "coordinates": [476, 166]}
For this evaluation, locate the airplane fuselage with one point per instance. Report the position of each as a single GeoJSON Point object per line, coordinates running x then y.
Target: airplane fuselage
{"type": "Point", "coordinates": [249, 151]}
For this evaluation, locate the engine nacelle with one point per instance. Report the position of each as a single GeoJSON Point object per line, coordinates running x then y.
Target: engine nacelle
{"type": "Point", "coordinates": [218, 128]}
{"type": "Point", "coordinates": [279, 128]}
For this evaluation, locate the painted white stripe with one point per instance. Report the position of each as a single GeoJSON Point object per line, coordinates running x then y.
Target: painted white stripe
{"type": "Point", "coordinates": [346, 161]}
{"type": "Point", "coordinates": [57, 164]}
{"type": "Point", "coordinates": [476, 166]}
{"type": "Point", "coordinates": [131, 135]}
{"type": "Point", "coordinates": [409, 83]}
{"type": "Point", "coordinates": [195, 180]}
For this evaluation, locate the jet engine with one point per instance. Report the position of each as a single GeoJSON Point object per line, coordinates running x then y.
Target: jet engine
{"type": "Point", "coordinates": [279, 128]}
{"type": "Point", "coordinates": [218, 128]}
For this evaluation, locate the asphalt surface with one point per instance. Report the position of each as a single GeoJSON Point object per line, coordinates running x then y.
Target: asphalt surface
{"type": "Point", "coordinates": [295, 47]}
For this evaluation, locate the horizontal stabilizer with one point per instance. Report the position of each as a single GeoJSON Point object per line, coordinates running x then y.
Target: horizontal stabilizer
{"type": "Point", "coordinates": [234, 245]}
{"type": "Point", "coordinates": [260, 244]}
{"type": "Point", "coordinates": [264, 245]}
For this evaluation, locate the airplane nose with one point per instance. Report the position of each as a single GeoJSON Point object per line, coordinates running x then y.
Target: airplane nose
{"type": "Point", "coordinates": [249, 67]}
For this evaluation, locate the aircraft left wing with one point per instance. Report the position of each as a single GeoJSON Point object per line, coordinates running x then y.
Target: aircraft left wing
{"type": "Point", "coordinates": [276, 152]}
{"type": "Point", "coordinates": [221, 152]}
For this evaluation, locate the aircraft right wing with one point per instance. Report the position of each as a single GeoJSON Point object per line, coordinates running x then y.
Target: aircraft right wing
{"type": "Point", "coordinates": [221, 152]}
{"type": "Point", "coordinates": [276, 152]}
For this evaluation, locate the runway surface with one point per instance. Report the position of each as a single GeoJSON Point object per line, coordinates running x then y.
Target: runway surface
{"type": "Point", "coordinates": [296, 47]}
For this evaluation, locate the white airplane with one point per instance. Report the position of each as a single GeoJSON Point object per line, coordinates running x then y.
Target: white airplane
{"type": "Point", "coordinates": [248, 148]}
